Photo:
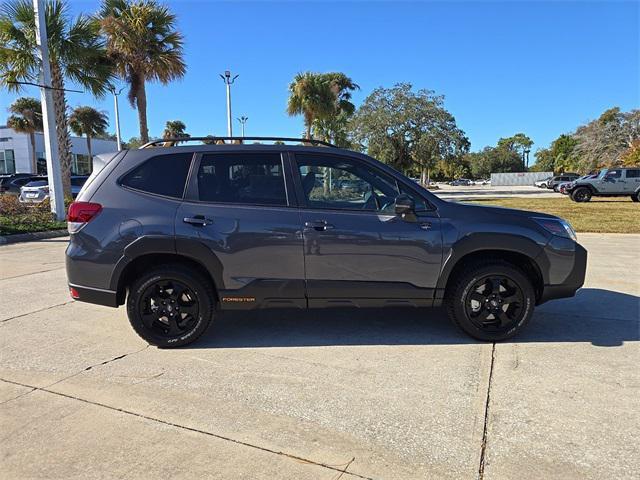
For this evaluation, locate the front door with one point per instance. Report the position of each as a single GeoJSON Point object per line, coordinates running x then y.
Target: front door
{"type": "Point", "coordinates": [237, 208]}
{"type": "Point", "coordinates": [357, 251]}
{"type": "Point", "coordinates": [612, 182]}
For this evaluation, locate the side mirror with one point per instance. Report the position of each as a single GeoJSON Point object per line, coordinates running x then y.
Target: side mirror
{"type": "Point", "coordinates": [405, 207]}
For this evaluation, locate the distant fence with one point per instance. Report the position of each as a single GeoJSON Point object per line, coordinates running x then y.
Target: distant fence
{"type": "Point", "coordinates": [519, 178]}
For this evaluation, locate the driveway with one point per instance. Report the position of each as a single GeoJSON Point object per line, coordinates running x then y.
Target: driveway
{"type": "Point", "coordinates": [396, 394]}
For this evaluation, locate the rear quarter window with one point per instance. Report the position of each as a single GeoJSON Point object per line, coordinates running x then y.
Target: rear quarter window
{"type": "Point", "coordinates": [161, 175]}
{"type": "Point", "coordinates": [633, 173]}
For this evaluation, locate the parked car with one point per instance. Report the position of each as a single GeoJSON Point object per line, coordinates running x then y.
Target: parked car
{"type": "Point", "coordinates": [465, 182]}
{"type": "Point", "coordinates": [555, 182]}
{"type": "Point", "coordinates": [612, 182]}
{"type": "Point", "coordinates": [542, 183]}
{"type": "Point", "coordinates": [180, 233]}
{"type": "Point", "coordinates": [10, 184]}
{"type": "Point", "coordinates": [37, 190]}
{"type": "Point", "coordinates": [484, 181]}
{"type": "Point", "coordinates": [567, 187]}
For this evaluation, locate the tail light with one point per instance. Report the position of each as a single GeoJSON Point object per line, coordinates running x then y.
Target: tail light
{"type": "Point", "coordinates": [81, 213]}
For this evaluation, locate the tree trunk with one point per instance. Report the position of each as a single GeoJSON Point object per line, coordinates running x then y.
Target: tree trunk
{"type": "Point", "coordinates": [34, 158]}
{"type": "Point", "coordinates": [423, 175]}
{"type": "Point", "coordinates": [141, 104]}
{"type": "Point", "coordinates": [62, 130]}
{"type": "Point", "coordinates": [89, 149]}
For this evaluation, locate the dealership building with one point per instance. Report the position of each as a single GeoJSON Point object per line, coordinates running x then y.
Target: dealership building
{"type": "Point", "coordinates": [15, 152]}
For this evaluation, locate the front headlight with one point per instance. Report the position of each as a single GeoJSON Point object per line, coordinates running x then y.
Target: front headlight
{"type": "Point", "coordinates": [557, 226]}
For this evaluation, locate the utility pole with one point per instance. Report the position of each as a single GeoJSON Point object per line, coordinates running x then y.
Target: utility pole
{"type": "Point", "coordinates": [228, 81]}
{"type": "Point", "coordinates": [117, 114]}
{"type": "Point", "coordinates": [242, 121]}
{"type": "Point", "coordinates": [56, 193]}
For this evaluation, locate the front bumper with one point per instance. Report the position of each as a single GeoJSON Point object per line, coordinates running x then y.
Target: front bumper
{"type": "Point", "coordinates": [566, 263]}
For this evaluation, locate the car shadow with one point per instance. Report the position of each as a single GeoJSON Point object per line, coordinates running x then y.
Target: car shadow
{"type": "Point", "coordinates": [601, 317]}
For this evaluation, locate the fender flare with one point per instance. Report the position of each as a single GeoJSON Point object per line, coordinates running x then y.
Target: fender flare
{"type": "Point", "coordinates": [192, 249]}
{"type": "Point", "coordinates": [484, 241]}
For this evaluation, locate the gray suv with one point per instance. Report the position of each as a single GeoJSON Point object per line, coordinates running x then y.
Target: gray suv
{"type": "Point", "coordinates": [181, 232]}
{"type": "Point", "coordinates": [610, 182]}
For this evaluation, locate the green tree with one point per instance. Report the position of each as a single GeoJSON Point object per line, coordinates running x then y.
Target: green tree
{"type": "Point", "coordinates": [544, 161]}
{"type": "Point", "coordinates": [89, 122]}
{"type": "Point", "coordinates": [498, 159]}
{"type": "Point", "coordinates": [76, 53]}
{"type": "Point", "coordinates": [27, 118]}
{"type": "Point", "coordinates": [323, 98]}
{"type": "Point", "coordinates": [518, 143]}
{"type": "Point", "coordinates": [408, 129]}
{"type": "Point", "coordinates": [144, 45]}
{"type": "Point", "coordinates": [175, 129]}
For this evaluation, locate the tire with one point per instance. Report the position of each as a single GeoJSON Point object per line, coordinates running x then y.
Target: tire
{"type": "Point", "coordinates": [581, 194]}
{"type": "Point", "coordinates": [636, 197]}
{"type": "Point", "coordinates": [556, 188]}
{"type": "Point", "coordinates": [473, 315]}
{"type": "Point", "coordinates": [156, 298]}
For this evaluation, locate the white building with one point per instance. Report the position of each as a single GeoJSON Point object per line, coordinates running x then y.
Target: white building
{"type": "Point", "coordinates": [15, 152]}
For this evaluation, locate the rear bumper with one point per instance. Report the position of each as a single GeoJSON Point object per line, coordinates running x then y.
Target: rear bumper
{"type": "Point", "coordinates": [574, 279]}
{"type": "Point", "coordinates": [108, 298]}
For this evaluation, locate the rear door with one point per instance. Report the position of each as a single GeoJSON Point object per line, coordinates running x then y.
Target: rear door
{"type": "Point", "coordinates": [238, 207]}
{"type": "Point", "coordinates": [632, 180]}
{"type": "Point", "coordinates": [356, 249]}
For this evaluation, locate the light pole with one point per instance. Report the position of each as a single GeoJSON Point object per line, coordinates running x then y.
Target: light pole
{"type": "Point", "coordinates": [56, 194]}
{"type": "Point", "coordinates": [228, 80]}
{"type": "Point", "coordinates": [117, 114]}
{"type": "Point", "coordinates": [525, 153]}
{"type": "Point", "coordinates": [242, 121]}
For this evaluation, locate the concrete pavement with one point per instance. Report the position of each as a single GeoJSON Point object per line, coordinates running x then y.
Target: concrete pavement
{"type": "Point", "coordinates": [376, 394]}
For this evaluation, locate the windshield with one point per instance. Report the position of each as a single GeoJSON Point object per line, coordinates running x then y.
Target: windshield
{"type": "Point", "coordinates": [602, 173]}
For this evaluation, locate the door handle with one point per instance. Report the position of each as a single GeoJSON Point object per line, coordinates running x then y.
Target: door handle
{"type": "Point", "coordinates": [425, 225]}
{"type": "Point", "coordinates": [198, 220]}
{"type": "Point", "coordinates": [319, 225]}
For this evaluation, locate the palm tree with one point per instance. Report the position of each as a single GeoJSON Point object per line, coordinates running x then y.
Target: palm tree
{"type": "Point", "coordinates": [320, 96]}
{"type": "Point", "coordinates": [89, 122]}
{"type": "Point", "coordinates": [27, 118]}
{"type": "Point", "coordinates": [311, 97]}
{"type": "Point", "coordinates": [144, 46]}
{"type": "Point", "coordinates": [174, 129]}
{"type": "Point", "coordinates": [76, 53]}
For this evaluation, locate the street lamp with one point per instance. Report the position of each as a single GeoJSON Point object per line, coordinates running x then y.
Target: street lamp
{"type": "Point", "coordinates": [117, 114]}
{"type": "Point", "coordinates": [228, 80]}
{"type": "Point", "coordinates": [242, 121]}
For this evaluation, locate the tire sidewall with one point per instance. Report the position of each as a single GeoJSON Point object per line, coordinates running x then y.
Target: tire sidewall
{"type": "Point", "coordinates": [467, 283]}
{"type": "Point", "coordinates": [204, 309]}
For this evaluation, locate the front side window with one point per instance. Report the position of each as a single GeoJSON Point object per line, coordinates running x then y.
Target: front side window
{"type": "Point", "coordinates": [162, 175]}
{"type": "Point", "coordinates": [345, 184]}
{"type": "Point", "coordinates": [242, 178]}
{"type": "Point", "coordinates": [614, 174]}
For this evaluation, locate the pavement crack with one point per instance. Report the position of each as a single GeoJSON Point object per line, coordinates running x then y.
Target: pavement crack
{"type": "Point", "coordinates": [483, 446]}
{"type": "Point", "coordinates": [114, 359]}
{"type": "Point", "coordinates": [339, 469]}
{"type": "Point", "coordinates": [31, 273]}
{"type": "Point", "coordinates": [36, 311]}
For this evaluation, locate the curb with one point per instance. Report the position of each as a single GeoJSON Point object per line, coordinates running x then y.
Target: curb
{"type": "Point", "coordinates": [30, 237]}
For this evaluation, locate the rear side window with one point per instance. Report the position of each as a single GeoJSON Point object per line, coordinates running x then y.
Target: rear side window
{"type": "Point", "coordinates": [163, 175]}
{"type": "Point", "coordinates": [244, 178]}
{"type": "Point", "coordinates": [633, 173]}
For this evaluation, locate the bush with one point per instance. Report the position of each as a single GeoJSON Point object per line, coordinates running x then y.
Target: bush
{"type": "Point", "coordinates": [17, 217]}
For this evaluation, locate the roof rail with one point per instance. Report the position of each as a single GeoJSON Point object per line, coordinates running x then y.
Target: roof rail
{"type": "Point", "coordinates": [211, 139]}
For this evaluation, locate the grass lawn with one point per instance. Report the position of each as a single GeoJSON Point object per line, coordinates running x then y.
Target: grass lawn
{"type": "Point", "coordinates": [603, 215]}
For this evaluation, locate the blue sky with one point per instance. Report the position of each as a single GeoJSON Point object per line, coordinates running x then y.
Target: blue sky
{"type": "Point", "coordinates": [541, 68]}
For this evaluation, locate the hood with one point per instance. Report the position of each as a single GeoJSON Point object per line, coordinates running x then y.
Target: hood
{"type": "Point", "coordinates": [482, 210]}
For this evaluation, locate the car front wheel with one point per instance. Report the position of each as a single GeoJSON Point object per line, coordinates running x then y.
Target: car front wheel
{"type": "Point", "coordinates": [491, 301]}
{"type": "Point", "coordinates": [582, 194]}
{"type": "Point", "coordinates": [170, 306]}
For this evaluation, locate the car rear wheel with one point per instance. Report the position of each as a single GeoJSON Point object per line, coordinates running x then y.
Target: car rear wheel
{"type": "Point", "coordinates": [636, 196]}
{"type": "Point", "coordinates": [491, 301]}
{"type": "Point", "coordinates": [581, 194]}
{"type": "Point", "coordinates": [170, 306]}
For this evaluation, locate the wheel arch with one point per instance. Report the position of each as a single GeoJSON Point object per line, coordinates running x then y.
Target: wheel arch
{"type": "Point", "coordinates": [519, 251]}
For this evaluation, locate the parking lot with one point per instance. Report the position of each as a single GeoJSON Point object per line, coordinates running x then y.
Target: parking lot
{"type": "Point", "coordinates": [351, 394]}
